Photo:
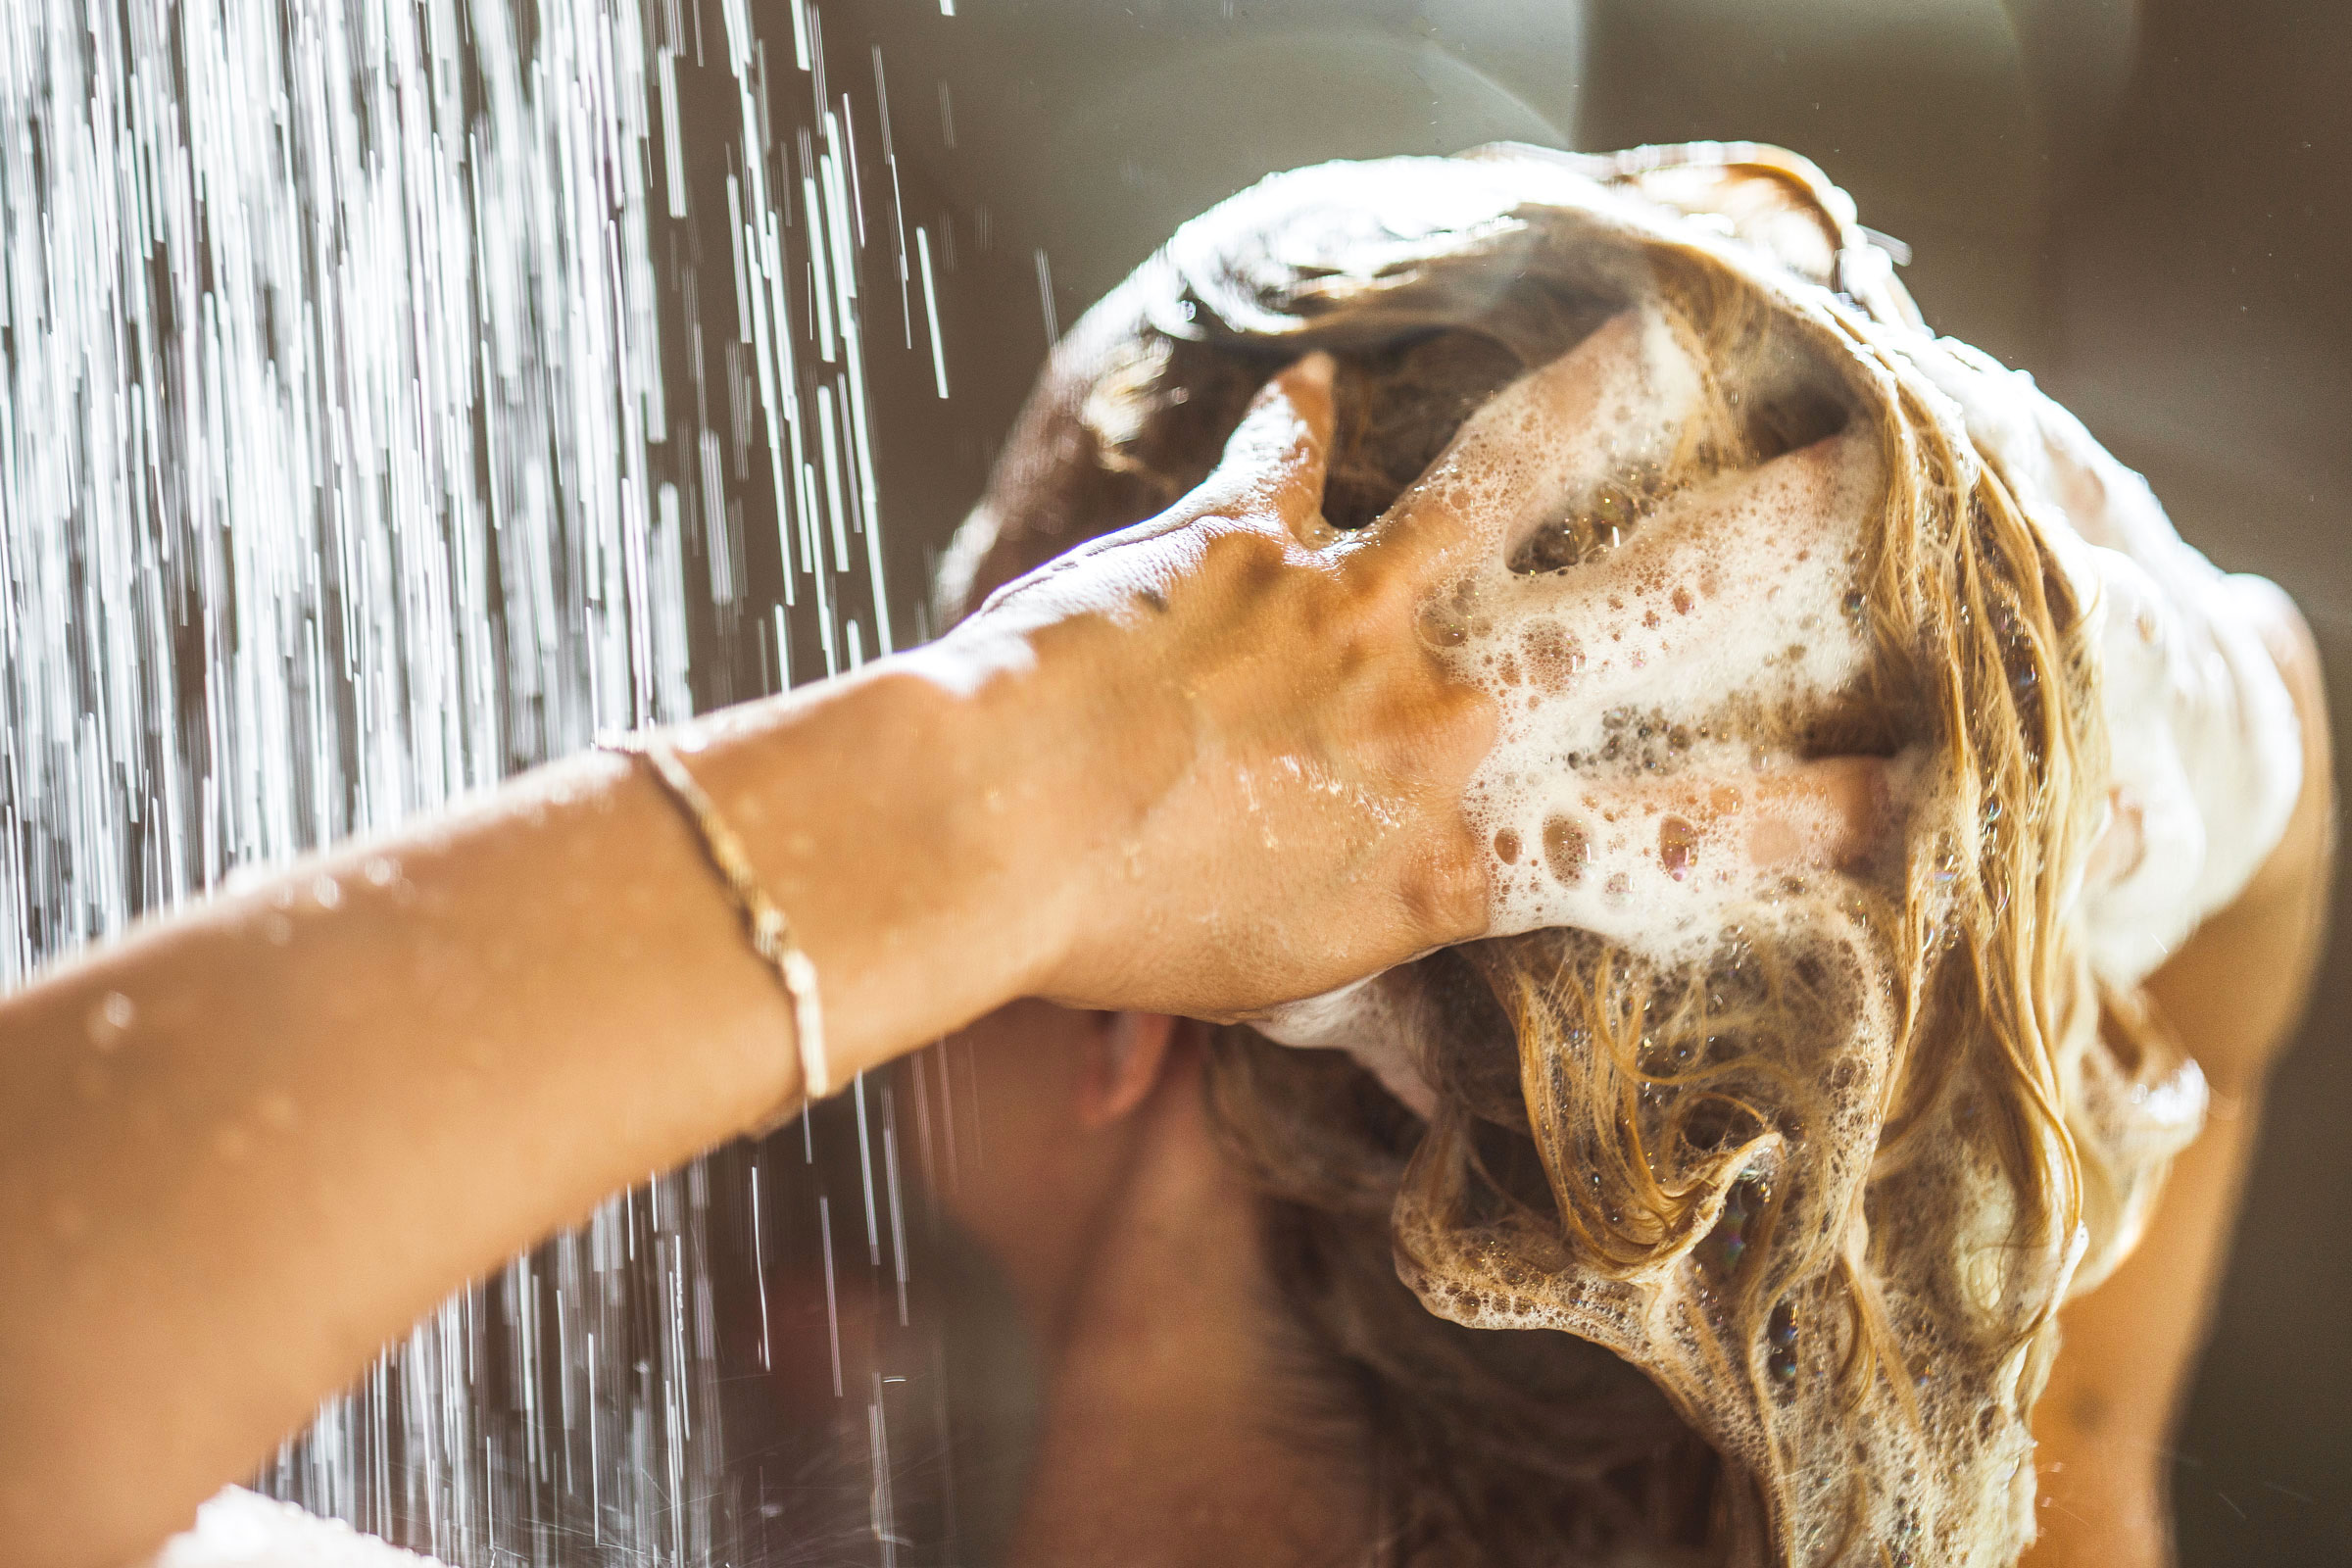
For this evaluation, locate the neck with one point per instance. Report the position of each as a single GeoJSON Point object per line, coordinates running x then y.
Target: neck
{"type": "Point", "coordinates": [1172, 1431]}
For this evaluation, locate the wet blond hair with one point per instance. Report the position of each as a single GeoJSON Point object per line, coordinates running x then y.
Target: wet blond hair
{"type": "Point", "coordinates": [1825, 1187]}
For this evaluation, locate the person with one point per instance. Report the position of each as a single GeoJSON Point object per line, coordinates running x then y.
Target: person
{"type": "Point", "coordinates": [1195, 769]}
{"type": "Point", "coordinates": [1436, 281]}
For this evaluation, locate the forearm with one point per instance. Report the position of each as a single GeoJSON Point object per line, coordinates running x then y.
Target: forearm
{"type": "Point", "coordinates": [250, 1144]}
{"type": "Point", "coordinates": [1204, 770]}
{"type": "Point", "coordinates": [2103, 1426]}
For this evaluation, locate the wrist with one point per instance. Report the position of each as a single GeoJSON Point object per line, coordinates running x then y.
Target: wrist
{"type": "Point", "coordinates": [922, 825]}
{"type": "Point", "coordinates": [1065, 749]}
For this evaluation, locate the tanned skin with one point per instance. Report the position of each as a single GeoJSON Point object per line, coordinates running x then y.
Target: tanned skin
{"type": "Point", "coordinates": [1198, 769]}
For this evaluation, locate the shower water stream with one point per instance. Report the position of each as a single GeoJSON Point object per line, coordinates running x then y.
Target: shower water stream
{"type": "Point", "coordinates": [379, 417]}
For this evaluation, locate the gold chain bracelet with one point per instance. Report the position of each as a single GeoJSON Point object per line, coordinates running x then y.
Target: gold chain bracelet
{"type": "Point", "coordinates": [763, 919]}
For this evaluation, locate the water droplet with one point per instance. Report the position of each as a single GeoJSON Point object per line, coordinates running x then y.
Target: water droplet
{"type": "Point", "coordinates": [109, 1020]}
{"type": "Point", "coordinates": [327, 891]}
{"type": "Point", "coordinates": [380, 870]}
{"type": "Point", "coordinates": [1566, 850]}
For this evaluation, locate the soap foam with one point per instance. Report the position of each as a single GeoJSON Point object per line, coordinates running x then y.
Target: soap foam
{"type": "Point", "coordinates": [1810, 695]}
{"type": "Point", "coordinates": [2205, 751]}
{"type": "Point", "coordinates": [1701, 611]}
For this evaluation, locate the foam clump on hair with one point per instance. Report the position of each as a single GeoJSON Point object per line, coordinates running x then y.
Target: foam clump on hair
{"type": "Point", "coordinates": [1817, 1143]}
{"type": "Point", "coordinates": [1635, 639]}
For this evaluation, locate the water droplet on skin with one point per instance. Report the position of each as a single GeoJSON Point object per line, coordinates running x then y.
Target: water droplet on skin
{"type": "Point", "coordinates": [277, 929]}
{"type": "Point", "coordinates": [380, 870]}
{"type": "Point", "coordinates": [327, 891]}
{"type": "Point", "coordinates": [1566, 850]}
{"type": "Point", "coordinates": [109, 1020]}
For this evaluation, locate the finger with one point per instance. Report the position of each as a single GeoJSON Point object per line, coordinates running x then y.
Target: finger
{"type": "Point", "coordinates": [1624, 860]}
{"type": "Point", "coordinates": [1637, 858]}
{"type": "Point", "coordinates": [1272, 471]}
{"type": "Point", "coordinates": [1615, 402]}
{"type": "Point", "coordinates": [1276, 459]}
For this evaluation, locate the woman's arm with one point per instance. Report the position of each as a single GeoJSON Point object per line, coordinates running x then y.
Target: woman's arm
{"type": "Point", "coordinates": [1203, 769]}
{"type": "Point", "coordinates": [2235, 993]}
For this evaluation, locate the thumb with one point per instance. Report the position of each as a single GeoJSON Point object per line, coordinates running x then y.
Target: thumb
{"type": "Point", "coordinates": [1526, 455]}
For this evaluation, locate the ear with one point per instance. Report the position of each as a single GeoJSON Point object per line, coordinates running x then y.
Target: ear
{"type": "Point", "coordinates": [1124, 1055]}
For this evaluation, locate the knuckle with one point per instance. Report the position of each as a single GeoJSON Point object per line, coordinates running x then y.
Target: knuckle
{"type": "Point", "coordinates": [1449, 727]}
{"type": "Point", "coordinates": [1467, 721]}
{"type": "Point", "coordinates": [1444, 893]}
{"type": "Point", "coordinates": [1386, 586]}
{"type": "Point", "coordinates": [1251, 554]}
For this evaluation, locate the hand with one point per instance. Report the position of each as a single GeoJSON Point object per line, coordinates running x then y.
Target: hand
{"type": "Point", "coordinates": [1659, 691]}
{"type": "Point", "coordinates": [1268, 763]}
{"type": "Point", "coordinates": [1726, 580]}
{"type": "Point", "coordinates": [1295, 728]}
{"type": "Point", "coordinates": [1730, 592]}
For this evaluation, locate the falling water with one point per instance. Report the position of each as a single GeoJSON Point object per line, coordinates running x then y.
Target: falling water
{"type": "Point", "coordinates": [380, 416]}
